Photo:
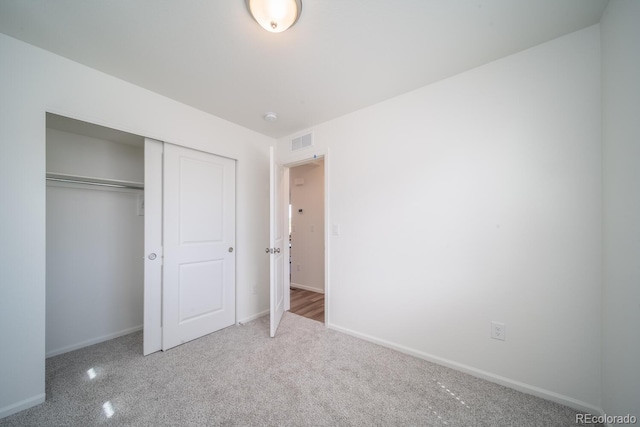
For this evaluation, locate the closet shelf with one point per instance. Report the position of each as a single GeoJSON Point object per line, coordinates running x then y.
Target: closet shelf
{"type": "Point", "coordinates": [77, 179]}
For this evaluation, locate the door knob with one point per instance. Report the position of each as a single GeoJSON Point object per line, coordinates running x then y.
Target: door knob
{"type": "Point", "coordinates": [267, 250]}
{"type": "Point", "coordinates": [277, 250]}
{"type": "Point", "coordinates": [230, 249]}
{"type": "Point", "coordinates": [152, 256]}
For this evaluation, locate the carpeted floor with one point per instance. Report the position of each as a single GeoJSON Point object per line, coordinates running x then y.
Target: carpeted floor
{"type": "Point", "coordinates": [306, 376]}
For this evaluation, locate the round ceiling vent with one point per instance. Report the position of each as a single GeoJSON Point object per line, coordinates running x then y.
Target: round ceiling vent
{"type": "Point", "coordinates": [270, 117]}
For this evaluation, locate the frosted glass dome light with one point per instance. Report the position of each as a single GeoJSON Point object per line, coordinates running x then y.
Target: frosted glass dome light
{"type": "Point", "coordinates": [275, 15]}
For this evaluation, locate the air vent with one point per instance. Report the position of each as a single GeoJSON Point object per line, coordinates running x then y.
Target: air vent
{"type": "Point", "coordinates": [301, 142]}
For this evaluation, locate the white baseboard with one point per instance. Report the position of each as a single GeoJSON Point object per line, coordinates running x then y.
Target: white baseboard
{"type": "Point", "coordinates": [92, 341]}
{"type": "Point", "coordinates": [22, 405]}
{"type": "Point", "coordinates": [306, 288]}
{"type": "Point", "coordinates": [253, 317]}
{"type": "Point", "coordinates": [516, 385]}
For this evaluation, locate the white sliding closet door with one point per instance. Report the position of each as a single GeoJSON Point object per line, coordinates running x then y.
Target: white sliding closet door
{"type": "Point", "coordinates": [198, 292]}
{"type": "Point", "coordinates": [152, 341]}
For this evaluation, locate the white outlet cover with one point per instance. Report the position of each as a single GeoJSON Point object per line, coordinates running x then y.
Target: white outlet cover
{"type": "Point", "coordinates": [498, 331]}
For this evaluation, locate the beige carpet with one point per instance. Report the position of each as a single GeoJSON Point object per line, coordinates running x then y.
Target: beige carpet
{"type": "Point", "coordinates": [306, 376]}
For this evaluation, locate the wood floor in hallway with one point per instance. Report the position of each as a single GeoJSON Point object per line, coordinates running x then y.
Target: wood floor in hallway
{"type": "Point", "coordinates": [308, 304]}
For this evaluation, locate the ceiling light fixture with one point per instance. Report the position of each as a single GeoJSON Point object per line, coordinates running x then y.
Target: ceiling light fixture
{"type": "Point", "coordinates": [275, 15]}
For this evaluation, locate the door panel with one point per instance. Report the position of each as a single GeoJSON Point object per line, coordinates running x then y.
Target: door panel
{"type": "Point", "coordinates": [199, 237]}
{"type": "Point", "coordinates": [201, 218]}
{"type": "Point", "coordinates": [277, 241]}
{"type": "Point", "coordinates": [197, 298]}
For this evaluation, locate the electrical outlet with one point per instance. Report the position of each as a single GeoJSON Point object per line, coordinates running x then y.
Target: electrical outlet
{"type": "Point", "coordinates": [498, 331]}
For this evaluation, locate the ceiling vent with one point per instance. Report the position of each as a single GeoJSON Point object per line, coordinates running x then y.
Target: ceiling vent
{"type": "Point", "coordinates": [301, 142]}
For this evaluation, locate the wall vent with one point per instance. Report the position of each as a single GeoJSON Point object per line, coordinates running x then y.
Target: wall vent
{"type": "Point", "coordinates": [301, 142]}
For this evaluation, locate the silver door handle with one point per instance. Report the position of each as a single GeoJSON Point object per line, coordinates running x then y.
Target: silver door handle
{"type": "Point", "coordinates": [277, 250]}
{"type": "Point", "coordinates": [268, 250]}
{"type": "Point", "coordinates": [152, 256]}
{"type": "Point", "coordinates": [230, 249]}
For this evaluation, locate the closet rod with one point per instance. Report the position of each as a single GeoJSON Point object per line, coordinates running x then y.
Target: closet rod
{"type": "Point", "coordinates": [74, 179]}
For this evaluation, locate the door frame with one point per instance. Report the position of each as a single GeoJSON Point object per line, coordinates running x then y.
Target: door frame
{"type": "Point", "coordinates": [304, 159]}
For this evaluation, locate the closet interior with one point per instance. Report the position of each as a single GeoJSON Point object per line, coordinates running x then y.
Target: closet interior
{"type": "Point", "coordinates": [95, 234]}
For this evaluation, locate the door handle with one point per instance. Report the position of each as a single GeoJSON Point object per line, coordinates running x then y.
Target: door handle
{"type": "Point", "coordinates": [277, 250]}
{"type": "Point", "coordinates": [152, 256]}
{"type": "Point", "coordinates": [272, 250]}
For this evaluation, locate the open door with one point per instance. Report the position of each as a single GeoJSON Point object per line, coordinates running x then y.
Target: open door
{"type": "Point", "coordinates": [198, 282]}
{"type": "Point", "coordinates": [277, 241]}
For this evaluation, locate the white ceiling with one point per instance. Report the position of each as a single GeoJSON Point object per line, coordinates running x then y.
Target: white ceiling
{"type": "Point", "coordinates": [341, 56]}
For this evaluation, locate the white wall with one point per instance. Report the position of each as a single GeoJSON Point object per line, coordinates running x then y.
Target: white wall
{"type": "Point", "coordinates": [474, 199]}
{"type": "Point", "coordinates": [95, 243]}
{"type": "Point", "coordinates": [32, 82]}
{"type": "Point", "coordinates": [307, 235]}
{"type": "Point", "coordinates": [621, 170]}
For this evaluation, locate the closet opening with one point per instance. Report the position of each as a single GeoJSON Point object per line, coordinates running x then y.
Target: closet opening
{"type": "Point", "coordinates": [94, 234]}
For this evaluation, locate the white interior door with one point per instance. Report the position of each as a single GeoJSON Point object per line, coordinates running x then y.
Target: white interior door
{"type": "Point", "coordinates": [277, 240]}
{"type": "Point", "coordinates": [152, 329]}
{"type": "Point", "coordinates": [198, 292]}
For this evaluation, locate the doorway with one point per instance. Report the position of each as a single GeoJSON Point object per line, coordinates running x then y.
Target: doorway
{"type": "Point", "coordinates": [94, 234]}
{"type": "Point", "coordinates": [307, 239]}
